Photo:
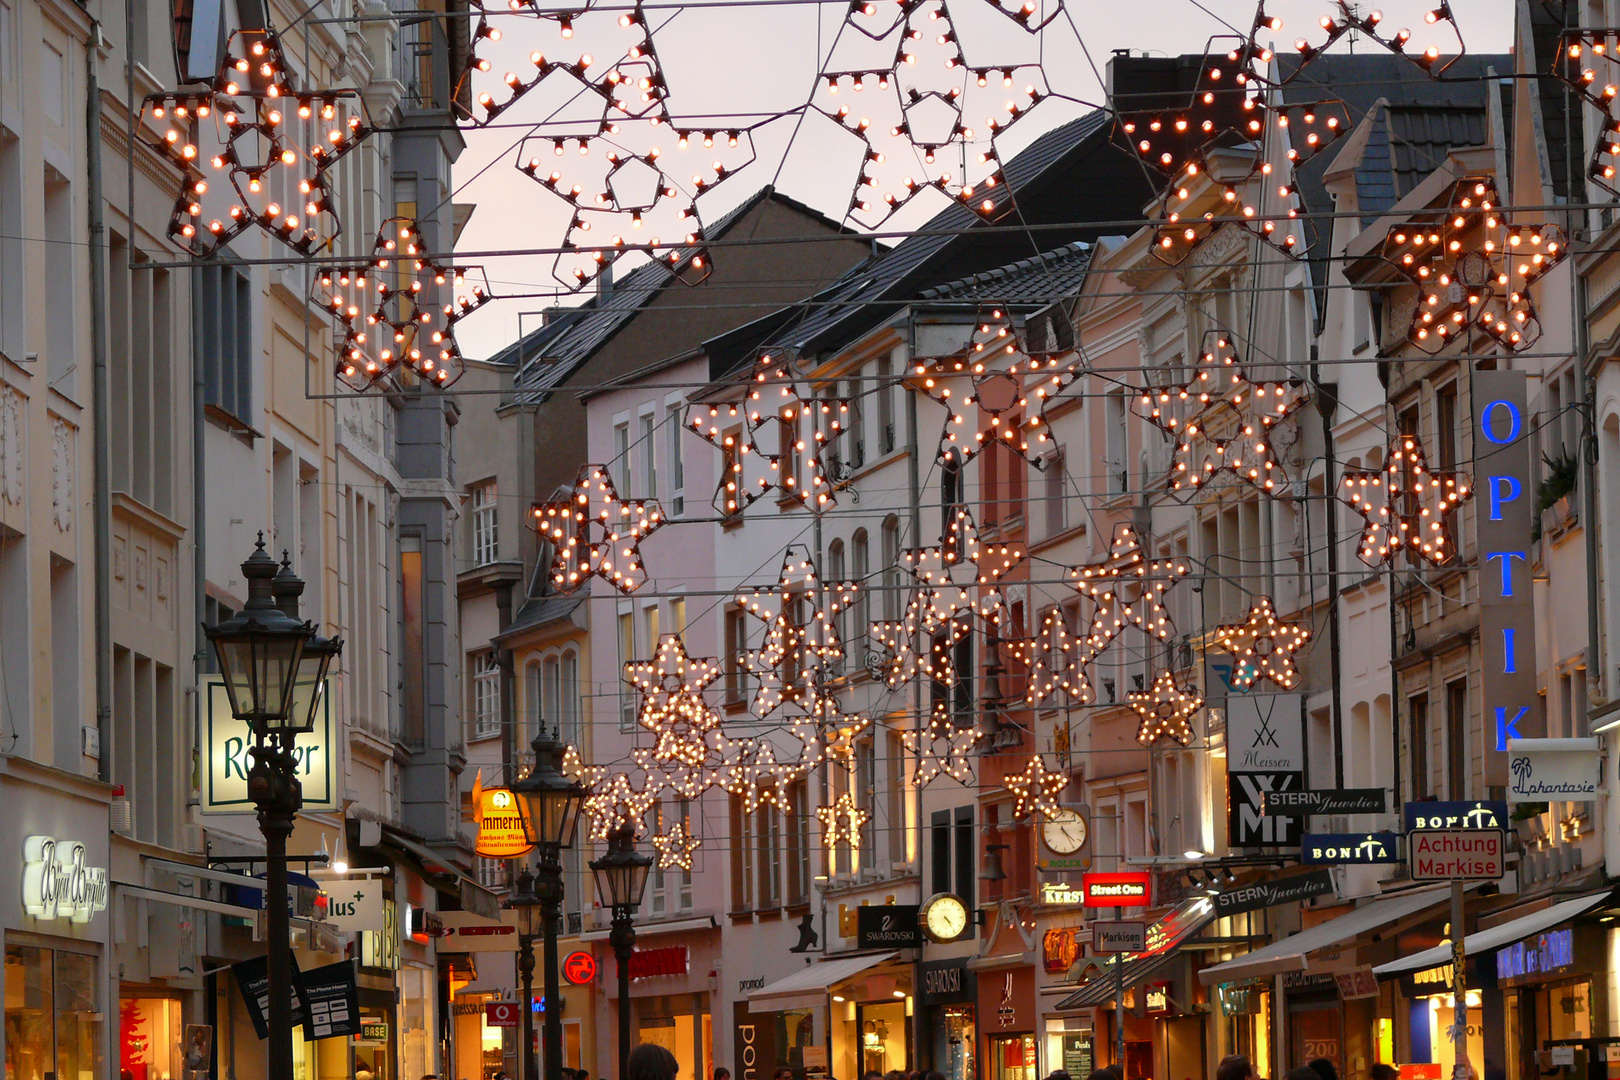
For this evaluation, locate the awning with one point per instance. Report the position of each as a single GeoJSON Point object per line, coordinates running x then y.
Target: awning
{"type": "Point", "coordinates": [678, 926]}
{"type": "Point", "coordinates": [1164, 941]}
{"type": "Point", "coordinates": [1497, 936]}
{"type": "Point", "coordinates": [808, 988]}
{"type": "Point", "coordinates": [474, 897]}
{"type": "Point", "coordinates": [1289, 954]}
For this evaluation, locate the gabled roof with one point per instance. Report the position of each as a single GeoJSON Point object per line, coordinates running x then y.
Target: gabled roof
{"type": "Point", "coordinates": [1035, 281]}
{"type": "Point", "coordinates": [539, 610]}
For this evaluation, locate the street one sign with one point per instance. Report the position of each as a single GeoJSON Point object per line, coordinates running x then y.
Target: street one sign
{"type": "Point", "coordinates": [226, 744]}
{"type": "Point", "coordinates": [1475, 814]}
{"type": "Point", "coordinates": [500, 826]}
{"type": "Point", "coordinates": [1127, 936]}
{"type": "Point", "coordinates": [1346, 849]}
{"type": "Point", "coordinates": [1458, 855]}
{"type": "Point", "coordinates": [1117, 890]}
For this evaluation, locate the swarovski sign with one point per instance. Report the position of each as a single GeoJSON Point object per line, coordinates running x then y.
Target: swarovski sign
{"type": "Point", "coordinates": [56, 882]}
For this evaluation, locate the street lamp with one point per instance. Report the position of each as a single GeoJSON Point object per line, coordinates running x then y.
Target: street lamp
{"type": "Point", "coordinates": [527, 906]}
{"type": "Point", "coordinates": [548, 803]}
{"type": "Point", "coordinates": [621, 879]}
{"type": "Point", "coordinates": [273, 665]}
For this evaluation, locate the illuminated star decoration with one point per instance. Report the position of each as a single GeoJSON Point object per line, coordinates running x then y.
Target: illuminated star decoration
{"type": "Point", "coordinates": [754, 776]}
{"type": "Point", "coordinates": [1056, 660]}
{"type": "Point", "coordinates": [801, 636]}
{"type": "Point", "coordinates": [1221, 421]}
{"type": "Point", "coordinates": [957, 577]}
{"type": "Point", "coordinates": [987, 388]}
{"type": "Point", "coordinates": [916, 114]}
{"type": "Point", "coordinates": [675, 848]}
{"type": "Point", "coordinates": [827, 732]}
{"type": "Point", "coordinates": [1473, 270]}
{"type": "Point", "coordinates": [1129, 589]}
{"type": "Point", "coordinates": [261, 125]}
{"type": "Point", "coordinates": [615, 802]}
{"type": "Point", "coordinates": [1263, 646]}
{"type": "Point", "coordinates": [1405, 505]}
{"type": "Point", "coordinates": [1035, 789]}
{"type": "Point", "coordinates": [672, 704]}
{"type": "Point", "coordinates": [1585, 62]}
{"type": "Point", "coordinates": [942, 748]}
{"type": "Point", "coordinates": [842, 821]}
{"type": "Point", "coordinates": [1341, 18]}
{"type": "Point", "coordinates": [595, 533]}
{"type": "Point", "coordinates": [386, 310]}
{"type": "Point", "coordinates": [1166, 711]}
{"type": "Point", "coordinates": [772, 439]}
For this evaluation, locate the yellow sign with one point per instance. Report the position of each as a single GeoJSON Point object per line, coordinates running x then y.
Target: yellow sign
{"type": "Point", "coordinates": [500, 826]}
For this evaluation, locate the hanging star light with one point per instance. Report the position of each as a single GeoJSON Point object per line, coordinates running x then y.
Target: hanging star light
{"type": "Point", "coordinates": [773, 438]}
{"type": "Point", "coordinates": [1473, 270]}
{"type": "Point", "coordinates": [1263, 646]}
{"type": "Point", "coordinates": [800, 613]}
{"type": "Point", "coordinates": [1406, 505]}
{"type": "Point", "coordinates": [262, 128]}
{"type": "Point", "coordinates": [614, 803]}
{"type": "Point", "coordinates": [842, 821]}
{"type": "Point", "coordinates": [1585, 62]}
{"type": "Point", "coordinates": [957, 578]}
{"type": "Point", "coordinates": [671, 672]}
{"type": "Point", "coordinates": [826, 731]}
{"type": "Point", "coordinates": [1036, 788]}
{"type": "Point", "coordinates": [1221, 421]}
{"type": "Point", "coordinates": [1166, 711]}
{"type": "Point", "coordinates": [1342, 17]}
{"type": "Point", "coordinates": [1129, 590]}
{"type": "Point", "coordinates": [754, 776]}
{"type": "Point", "coordinates": [942, 748]}
{"type": "Point", "coordinates": [593, 509]}
{"type": "Point", "coordinates": [1055, 660]}
{"type": "Point", "coordinates": [675, 848]}
{"type": "Point", "coordinates": [385, 309]}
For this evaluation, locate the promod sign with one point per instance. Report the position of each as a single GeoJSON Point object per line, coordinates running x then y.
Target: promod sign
{"type": "Point", "coordinates": [500, 826]}
{"type": "Point", "coordinates": [1117, 890]}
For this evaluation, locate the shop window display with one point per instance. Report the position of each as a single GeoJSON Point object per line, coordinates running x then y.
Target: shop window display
{"type": "Point", "coordinates": [149, 1039]}
{"type": "Point", "coordinates": [372, 1060]}
{"type": "Point", "coordinates": [53, 1028]}
{"type": "Point", "coordinates": [955, 1039]}
{"type": "Point", "coordinates": [883, 1038]}
{"type": "Point", "coordinates": [1012, 1057]}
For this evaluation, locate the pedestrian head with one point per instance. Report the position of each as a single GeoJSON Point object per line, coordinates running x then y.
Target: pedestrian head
{"type": "Point", "coordinates": [1324, 1068]}
{"type": "Point", "coordinates": [1383, 1071]}
{"type": "Point", "coordinates": [1234, 1067]}
{"type": "Point", "coordinates": [1059, 1074]}
{"type": "Point", "coordinates": [722, 1073]}
{"type": "Point", "coordinates": [650, 1061]}
{"type": "Point", "coordinates": [1302, 1072]}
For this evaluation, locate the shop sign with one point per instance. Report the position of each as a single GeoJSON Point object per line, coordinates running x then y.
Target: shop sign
{"type": "Point", "coordinates": [425, 925]}
{"type": "Point", "coordinates": [1061, 893]}
{"type": "Point", "coordinates": [1458, 855]}
{"type": "Point", "coordinates": [56, 883]}
{"type": "Point", "coordinates": [651, 963]}
{"type": "Point", "coordinates": [579, 968]}
{"type": "Point", "coordinates": [1541, 770]}
{"type": "Point", "coordinates": [1265, 734]}
{"type": "Point", "coordinates": [1156, 999]}
{"type": "Point", "coordinates": [253, 980]}
{"type": "Point", "coordinates": [1350, 849]}
{"type": "Point", "coordinates": [1060, 948]}
{"type": "Point", "coordinates": [381, 948]}
{"type": "Point", "coordinates": [947, 982]}
{"type": "Point", "coordinates": [1422, 1070]}
{"type": "Point", "coordinates": [355, 905]}
{"type": "Point", "coordinates": [888, 926]}
{"type": "Point", "coordinates": [1078, 1056]}
{"type": "Point", "coordinates": [754, 1044]}
{"type": "Point", "coordinates": [1117, 890]}
{"type": "Point", "coordinates": [466, 932]}
{"type": "Point", "coordinates": [332, 998]}
{"type": "Point", "coordinates": [227, 743]}
{"type": "Point", "coordinates": [1265, 894]}
{"type": "Point", "coordinates": [814, 1058]}
{"type": "Point", "coordinates": [1238, 999]}
{"type": "Point", "coordinates": [503, 1014]}
{"type": "Point", "coordinates": [1007, 1009]}
{"type": "Point", "coordinates": [1432, 981]}
{"type": "Point", "coordinates": [500, 826]}
{"type": "Point", "coordinates": [373, 1033]}
{"type": "Point", "coordinates": [1348, 801]}
{"type": "Point", "coordinates": [1119, 936]}
{"type": "Point", "coordinates": [1360, 983]}
{"type": "Point", "coordinates": [1507, 618]}
{"type": "Point", "coordinates": [1544, 956]}
{"type": "Point", "coordinates": [1469, 814]}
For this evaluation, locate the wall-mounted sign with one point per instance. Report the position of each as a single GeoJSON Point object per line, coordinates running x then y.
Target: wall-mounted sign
{"type": "Point", "coordinates": [503, 1014]}
{"type": "Point", "coordinates": [226, 744]}
{"type": "Point", "coordinates": [1545, 956]}
{"type": "Point", "coordinates": [253, 980]}
{"type": "Point", "coordinates": [1458, 854]}
{"type": "Point", "coordinates": [57, 883]}
{"type": "Point", "coordinates": [1541, 770]}
{"type": "Point", "coordinates": [425, 925]}
{"type": "Point", "coordinates": [1156, 999]}
{"type": "Point", "coordinates": [332, 1000]}
{"type": "Point", "coordinates": [1061, 893]}
{"type": "Point", "coordinates": [1356, 984]}
{"type": "Point", "coordinates": [1239, 999]}
{"type": "Point", "coordinates": [1505, 515]}
{"type": "Point", "coordinates": [1343, 849]}
{"type": "Point", "coordinates": [1282, 890]}
{"type": "Point", "coordinates": [1119, 936]}
{"type": "Point", "coordinates": [1265, 734]}
{"type": "Point", "coordinates": [1348, 801]}
{"type": "Point", "coordinates": [651, 963]}
{"type": "Point", "coordinates": [1060, 948]}
{"type": "Point", "coordinates": [374, 1032]}
{"type": "Point", "coordinates": [355, 905]}
{"type": "Point", "coordinates": [888, 926]}
{"type": "Point", "coordinates": [1476, 814]}
{"type": "Point", "coordinates": [946, 982]}
{"type": "Point", "coordinates": [1117, 890]}
{"type": "Point", "coordinates": [579, 968]}
{"type": "Point", "coordinates": [500, 826]}
{"type": "Point", "coordinates": [466, 932]}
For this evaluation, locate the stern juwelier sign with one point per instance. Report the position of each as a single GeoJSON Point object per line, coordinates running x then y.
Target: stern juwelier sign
{"type": "Point", "coordinates": [227, 743]}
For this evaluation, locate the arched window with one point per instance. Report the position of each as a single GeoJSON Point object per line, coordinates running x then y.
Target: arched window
{"type": "Point", "coordinates": [570, 698]}
{"type": "Point", "coordinates": [843, 620]}
{"type": "Point", "coordinates": [860, 567]}
{"type": "Point", "coordinates": [531, 705]}
{"type": "Point", "coordinates": [891, 567]}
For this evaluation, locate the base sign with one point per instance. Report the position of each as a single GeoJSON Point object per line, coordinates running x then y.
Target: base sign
{"type": "Point", "coordinates": [1119, 936]}
{"type": "Point", "coordinates": [1458, 855]}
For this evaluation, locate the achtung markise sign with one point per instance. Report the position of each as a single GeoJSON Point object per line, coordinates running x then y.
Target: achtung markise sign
{"type": "Point", "coordinates": [1458, 855]}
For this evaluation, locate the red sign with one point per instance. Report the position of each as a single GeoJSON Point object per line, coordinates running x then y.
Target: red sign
{"type": "Point", "coordinates": [649, 963]}
{"type": "Point", "coordinates": [1421, 1071]}
{"type": "Point", "coordinates": [1117, 890]}
{"type": "Point", "coordinates": [579, 968]}
{"type": "Point", "coordinates": [502, 1014]}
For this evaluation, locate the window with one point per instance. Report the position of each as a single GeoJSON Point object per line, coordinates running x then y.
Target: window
{"type": "Point", "coordinates": [1115, 450]}
{"type": "Point", "coordinates": [841, 621]}
{"type": "Point", "coordinates": [950, 493]}
{"type": "Point", "coordinates": [891, 568]}
{"type": "Point", "coordinates": [857, 424]}
{"type": "Point", "coordinates": [731, 465]}
{"type": "Point", "coordinates": [742, 862]}
{"type": "Point", "coordinates": [1053, 482]}
{"type": "Point", "coordinates": [1445, 415]}
{"type": "Point", "coordinates": [627, 653]}
{"type": "Point", "coordinates": [798, 842]}
{"type": "Point", "coordinates": [866, 799]}
{"type": "Point", "coordinates": [13, 270]}
{"type": "Point", "coordinates": [885, 404]}
{"type": "Point", "coordinates": [861, 607]}
{"type": "Point", "coordinates": [53, 1015]}
{"type": "Point", "coordinates": [485, 541]}
{"type": "Point", "coordinates": [1457, 739]}
{"type": "Point", "coordinates": [486, 682]}
{"type": "Point", "coordinates": [568, 698]}
{"type": "Point", "coordinates": [677, 467]}
{"type": "Point", "coordinates": [770, 857]}
{"type": "Point", "coordinates": [677, 616]}
{"type": "Point", "coordinates": [61, 360]}
{"type": "Point", "coordinates": [672, 888]}
{"type": "Point", "coordinates": [647, 450]}
{"type": "Point", "coordinates": [736, 656]}
{"type": "Point", "coordinates": [492, 874]}
{"type": "Point", "coordinates": [791, 448]}
{"type": "Point", "coordinates": [621, 459]}
{"type": "Point", "coordinates": [550, 692]}
{"type": "Point", "coordinates": [649, 617]}
{"type": "Point", "coordinates": [897, 799]}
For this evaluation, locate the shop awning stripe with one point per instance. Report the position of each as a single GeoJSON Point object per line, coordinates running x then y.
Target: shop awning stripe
{"type": "Point", "coordinates": [816, 978]}
{"type": "Point", "coordinates": [1497, 936]}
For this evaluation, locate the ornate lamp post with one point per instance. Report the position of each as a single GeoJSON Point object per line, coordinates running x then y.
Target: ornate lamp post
{"type": "Point", "coordinates": [527, 905]}
{"type": "Point", "coordinates": [621, 879]}
{"type": "Point", "coordinates": [549, 802]}
{"type": "Point", "coordinates": [274, 668]}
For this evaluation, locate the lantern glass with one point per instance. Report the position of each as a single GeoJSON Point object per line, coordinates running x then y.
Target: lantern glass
{"type": "Point", "coordinates": [621, 874]}
{"type": "Point", "coordinates": [309, 685]}
{"type": "Point", "coordinates": [548, 801]}
{"type": "Point", "coordinates": [259, 668]}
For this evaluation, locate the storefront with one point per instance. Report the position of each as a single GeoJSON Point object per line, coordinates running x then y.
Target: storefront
{"type": "Point", "coordinates": [948, 995]}
{"type": "Point", "coordinates": [1006, 1013]}
{"type": "Point", "coordinates": [672, 983]}
{"type": "Point", "coordinates": [837, 1018]}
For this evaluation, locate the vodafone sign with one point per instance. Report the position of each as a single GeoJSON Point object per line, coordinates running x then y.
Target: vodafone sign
{"type": "Point", "coordinates": [502, 1014]}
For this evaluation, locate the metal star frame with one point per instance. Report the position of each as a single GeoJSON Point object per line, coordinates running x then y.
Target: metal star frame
{"type": "Point", "coordinates": [942, 748]}
{"type": "Point", "coordinates": [1473, 269]}
{"type": "Point", "coordinates": [957, 577]}
{"type": "Point", "coordinates": [842, 821]}
{"type": "Point", "coordinates": [1585, 62]}
{"type": "Point", "coordinates": [1342, 18]}
{"type": "Point", "coordinates": [615, 802]}
{"type": "Point", "coordinates": [801, 638]}
{"type": "Point", "coordinates": [675, 848]}
{"type": "Point", "coordinates": [1166, 711]}
{"type": "Point", "coordinates": [1405, 505]}
{"type": "Point", "coordinates": [1036, 788]}
{"type": "Point", "coordinates": [1056, 660]}
{"type": "Point", "coordinates": [1129, 590]}
{"type": "Point", "coordinates": [1263, 646]}
{"type": "Point", "coordinates": [595, 533]}
{"type": "Point", "coordinates": [753, 774]}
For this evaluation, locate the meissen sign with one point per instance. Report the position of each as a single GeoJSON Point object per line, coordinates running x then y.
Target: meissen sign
{"type": "Point", "coordinates": [56, 882]}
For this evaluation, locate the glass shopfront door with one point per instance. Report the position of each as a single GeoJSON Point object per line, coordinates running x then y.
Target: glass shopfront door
{"type": "Point", "coordinates": [53, 1027]}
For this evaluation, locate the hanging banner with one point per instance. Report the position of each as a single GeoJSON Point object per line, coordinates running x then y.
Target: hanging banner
{"type": "Point", "coordinates": [1505, 512]}
{"type": "Point", "coordinates": [1266, 754]}
{"type": "Point", "coordinates": [253, 980]}
{"type": "Point", "coordinates": [355, 905]}
{"type": "Point", "coordinates": [1541, 770]}
{"type": "Point", "coordinates": [226, 743]}
{"type": "Point", "coordinates": [332, 997]}
{"type": "Point", "coordinates": [500, 826]}
{"type": "Point", "coordinates": [1348, 801]}
{"type": "Point", "coordinates": [1350, 849]}
{"type": "Point", "coordinates": [1475, 814]}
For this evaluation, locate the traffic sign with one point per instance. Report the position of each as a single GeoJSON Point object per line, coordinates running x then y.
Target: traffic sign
{"type": "Point", "coordinates": [1458, 854]}
{"type": "Point", "coordinates": [1119, 936]}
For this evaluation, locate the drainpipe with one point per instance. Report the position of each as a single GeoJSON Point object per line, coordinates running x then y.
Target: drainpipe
{"type": "Point", "coordinates": [1596, 676]}
{"type": "Point", "coordinates": [1327, 402]}
{"type": "Point", "coordinates": [923, 1045]}
{"type": "Point", "coordinates": [101, 526]}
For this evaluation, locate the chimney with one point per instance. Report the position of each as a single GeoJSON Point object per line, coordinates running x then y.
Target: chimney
{"type": "Point", "coordinates": [604, 284]}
